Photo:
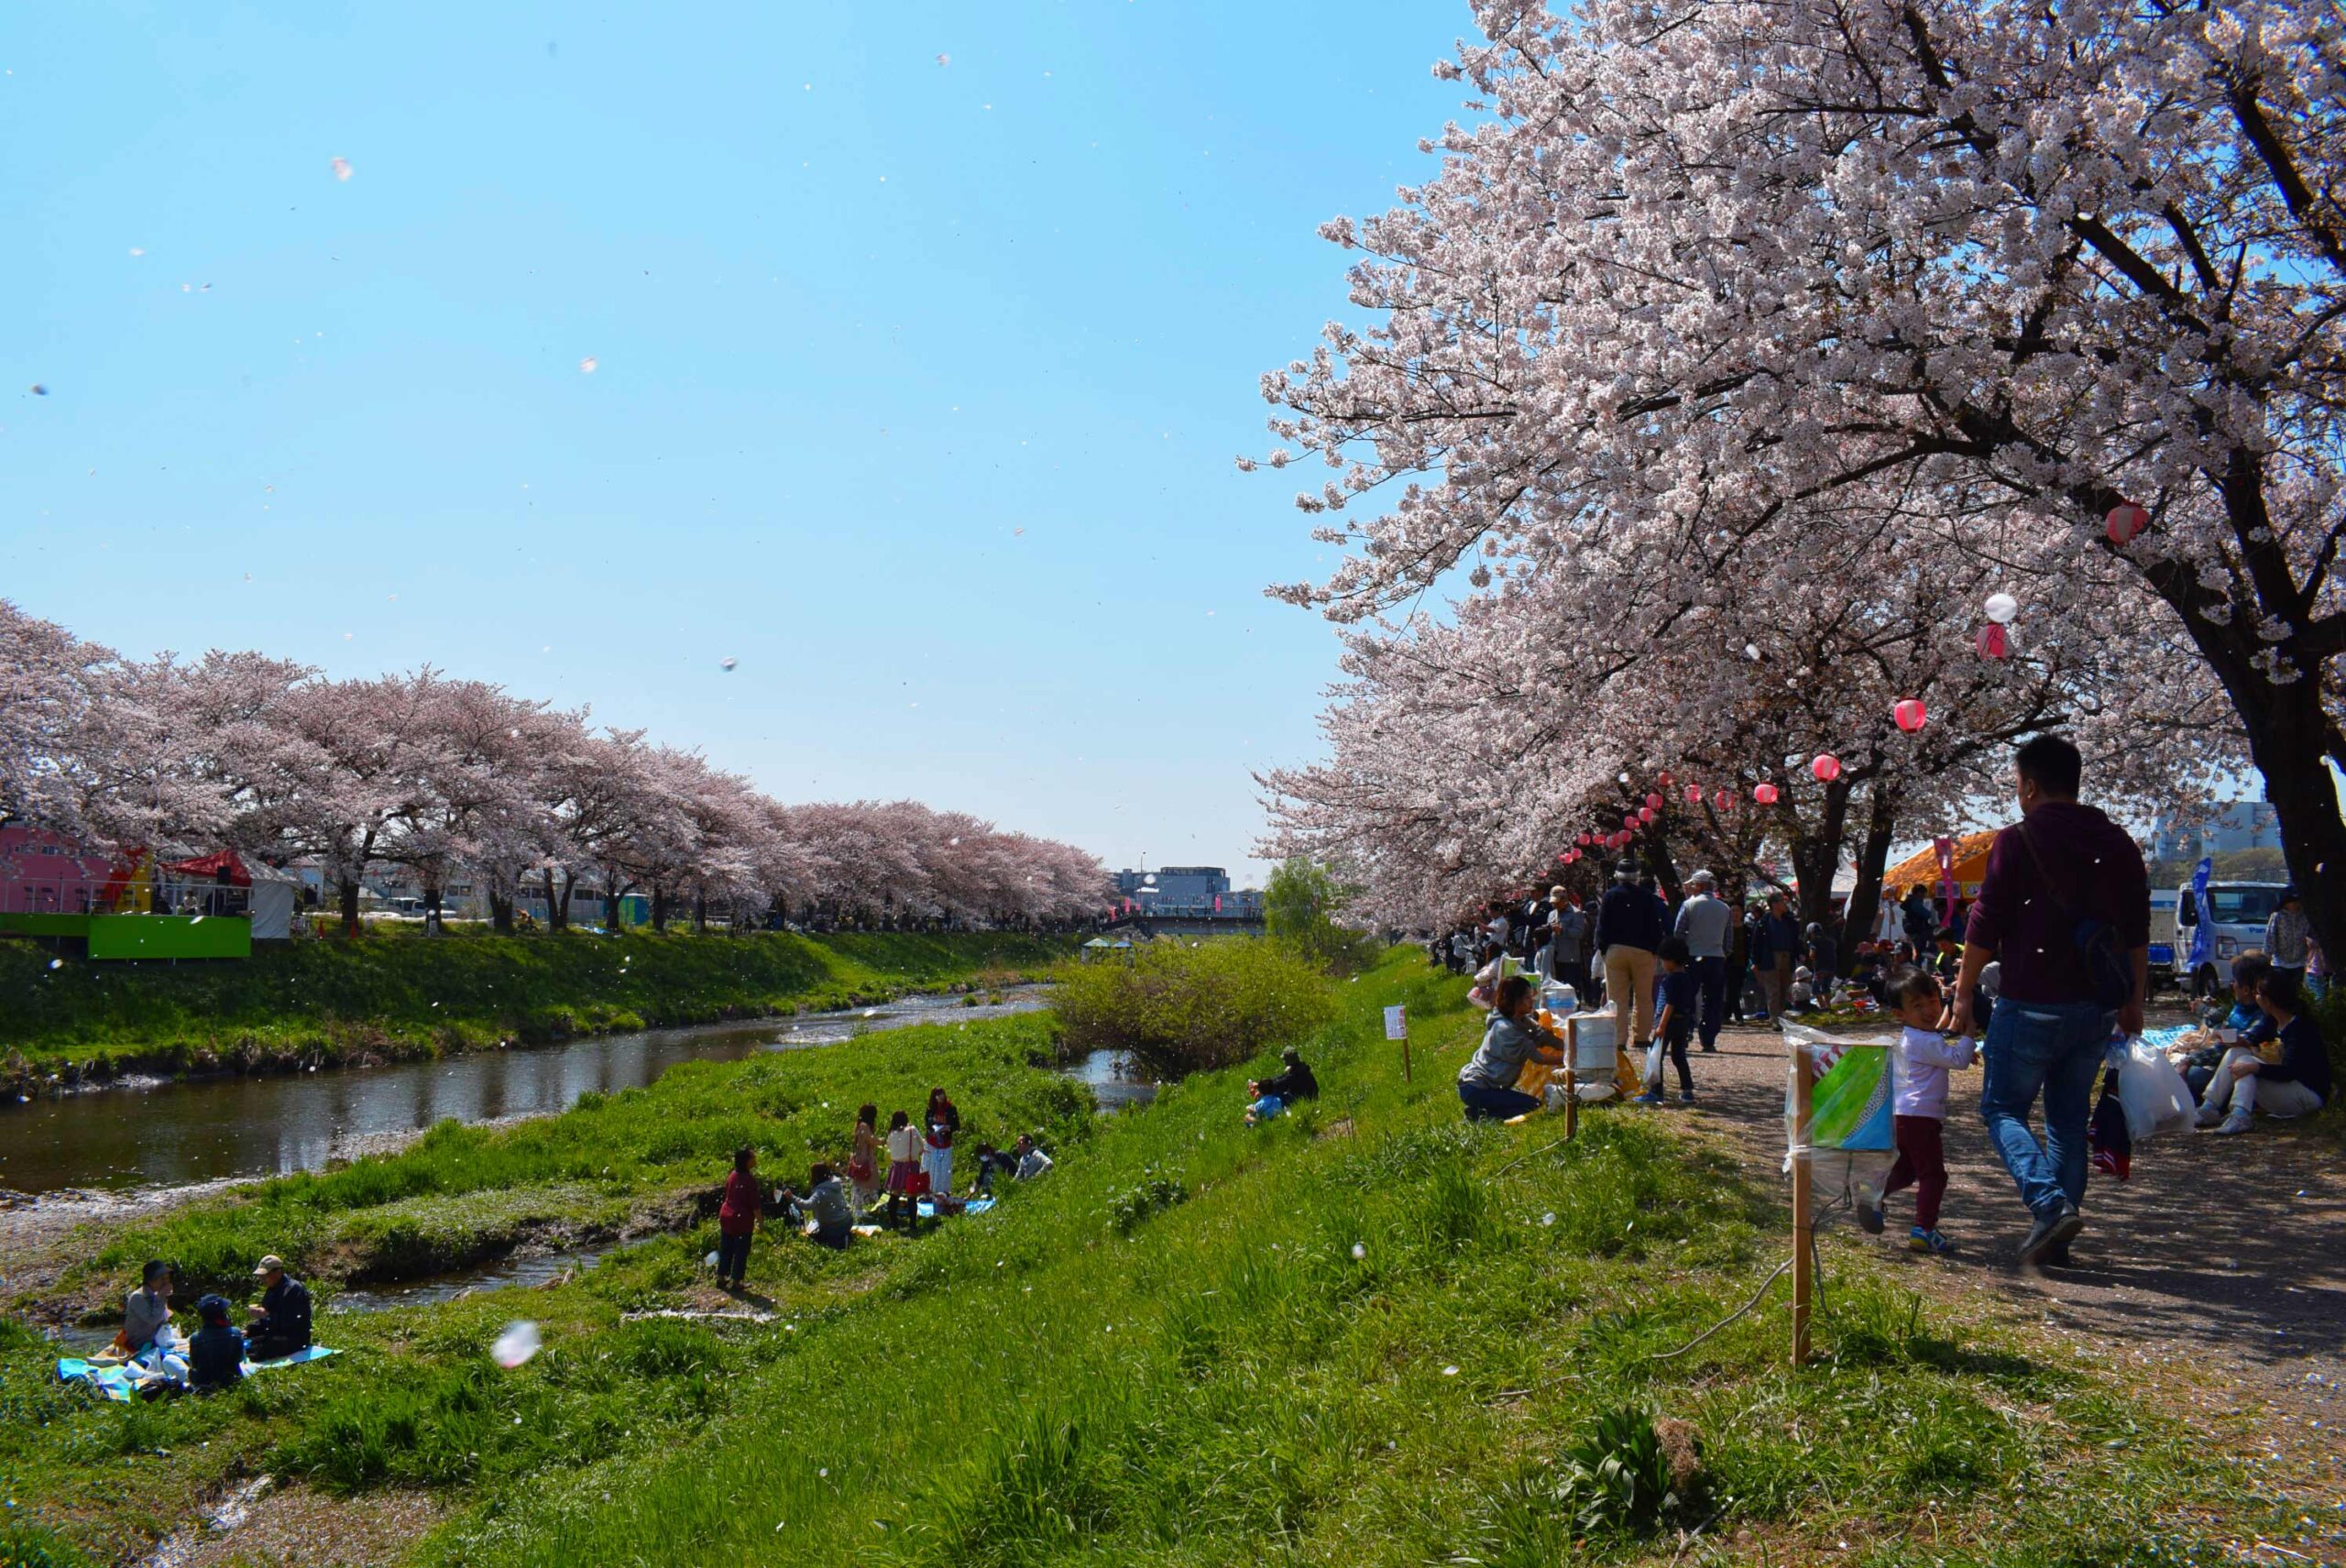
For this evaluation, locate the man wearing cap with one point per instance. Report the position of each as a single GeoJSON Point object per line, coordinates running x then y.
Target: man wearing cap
{"type": "Point", "coordinates": [1706, 921]}
{"type": "Point", "coordinates": [282, 1321]}
{"type": "Point", "coordinates": [2286, 935]}
{"type": "Point", "coordinates": [1567, 941]}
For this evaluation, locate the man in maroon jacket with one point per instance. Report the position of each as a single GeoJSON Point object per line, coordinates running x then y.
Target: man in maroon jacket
{"type": "Point", "coordinates": [2066, 907]}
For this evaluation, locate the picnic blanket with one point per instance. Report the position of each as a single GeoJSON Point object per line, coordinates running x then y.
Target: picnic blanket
{"type": "Point", "coordinates": [119, 1380]}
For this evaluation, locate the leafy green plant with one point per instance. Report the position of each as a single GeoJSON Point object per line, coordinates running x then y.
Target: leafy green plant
{"type": "Point", "coordinates": [1183, 1009]}
{"type": "Point", "coordinates": [1615, 1479]}
{"type": "Point", "coordinates": [1130, 1207]}
{"type": "Point", "coordinates": [1299, 906]}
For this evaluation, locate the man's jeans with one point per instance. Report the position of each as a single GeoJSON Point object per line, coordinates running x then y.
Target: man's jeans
{"type": "Point", "coordinates": [2056, 1047]}
{"type": "Point", "coordinates": [1710, 998]}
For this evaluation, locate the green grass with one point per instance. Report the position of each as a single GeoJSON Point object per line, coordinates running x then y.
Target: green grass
{"type": "Point", "coordinates": [1364, 1335]}
{"type": "Point", "coordinates": [387, 995]}
{"type": "Point", "coordinates": [461, 1194]}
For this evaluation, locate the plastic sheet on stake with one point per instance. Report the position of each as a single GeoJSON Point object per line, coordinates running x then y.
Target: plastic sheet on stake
{"type": "Point", "coordinates": [1853, 1084]}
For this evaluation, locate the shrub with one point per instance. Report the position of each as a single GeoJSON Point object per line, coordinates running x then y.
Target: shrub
{"type": "Point", "coordinates": [1617, 1478]}
{"type": "Point", "coordinates": [1154, 1191]}
{"type": "Point", "coordinates": [1187, 1009]}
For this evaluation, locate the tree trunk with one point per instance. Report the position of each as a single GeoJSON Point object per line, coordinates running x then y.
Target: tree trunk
{"type": "Point", "coordinates": [700, 914]}
{"type": "Point", "coordinates": [1873, 860]}
{"type": "Point", "coordinates": [1817, 856]}
{"type": "Point", "coordinates": [433, 920]}
{"type": "Point", "coordinates": [2285, 738]}
{"type": "Point", "coordinates": [500, 915]}
{"type": "Point", "coordinates": [659, 909]}
{"type": "Point", "coordinates": [557, 909]}
{"type": "Point", "coordinates": [348, 890]}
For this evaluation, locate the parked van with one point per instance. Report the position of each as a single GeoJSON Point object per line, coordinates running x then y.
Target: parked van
{"type": "Point", "coordinates": [2239, 911]}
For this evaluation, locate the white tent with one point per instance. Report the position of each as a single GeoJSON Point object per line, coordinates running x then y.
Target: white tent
{"type": "Point", "coordinates": [275, 897]}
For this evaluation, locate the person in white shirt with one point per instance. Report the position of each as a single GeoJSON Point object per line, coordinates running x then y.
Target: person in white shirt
{"type": "Point", "coordinates": [1920, 1109]}
{"type": "Point", "coordinates": [1031, 1161]}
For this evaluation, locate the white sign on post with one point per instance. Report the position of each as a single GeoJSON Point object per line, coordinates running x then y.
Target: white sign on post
{"type": "Point", "coordinates": [1396, 1023]}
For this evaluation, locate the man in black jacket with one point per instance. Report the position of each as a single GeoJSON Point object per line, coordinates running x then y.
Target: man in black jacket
{"type": "Point", "coordinates": [1630, 926]}
{"type": "Point", "coordinates": [1292, 1082]}
{"type": "Point", "coordinates": [282, 1321]}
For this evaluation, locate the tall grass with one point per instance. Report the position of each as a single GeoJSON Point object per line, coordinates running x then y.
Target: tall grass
{"type": "Point", "coordinates": [1184, 1008]}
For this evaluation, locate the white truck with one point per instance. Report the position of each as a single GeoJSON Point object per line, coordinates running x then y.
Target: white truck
{"type": "Point", "coordinates": [2237, 912]}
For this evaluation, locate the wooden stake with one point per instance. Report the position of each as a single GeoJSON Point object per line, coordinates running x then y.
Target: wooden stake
{"type": "Point", "coordinates": [1572, 1101]}
{"type": "Point", "coordinates": [1804, 1284]}
{"type": "Point", "coordinates": [1407, 1075]}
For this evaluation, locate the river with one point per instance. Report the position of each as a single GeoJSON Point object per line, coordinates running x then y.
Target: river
{"type": "Point", "coordinates": [148, 1134]}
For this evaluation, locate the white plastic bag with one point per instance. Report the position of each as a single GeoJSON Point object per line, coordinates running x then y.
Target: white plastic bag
{"type": "Point", "coordinates": [2153, 1093]}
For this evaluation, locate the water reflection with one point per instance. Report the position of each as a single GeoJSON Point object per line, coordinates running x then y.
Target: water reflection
{"type": "Point", "coordinates": [171, 1134]}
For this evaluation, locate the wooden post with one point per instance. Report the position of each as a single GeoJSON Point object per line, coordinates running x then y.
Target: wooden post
{"type": "Point", "coordinates": [1572, 1099]}
{"type": "Point", "coordinates": [1407, 1075]}
{"type": "Point", "coordinates": [1804, 1284]}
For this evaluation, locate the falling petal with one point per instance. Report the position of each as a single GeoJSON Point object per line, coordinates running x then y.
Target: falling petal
{"type": "Point", "coordinates": [40, 390]}
{"type": "Point", "coordinates": [138, 250]}
{"type": "Point", "coordinates": [586, 366]}
{"type": "Point", "coordinates": [726, 662]}
{"type": "Point", "coordinates": [341, 169]}
{"type": "Point", "coordinates": [944, 59]}
{"type": "Point", "coordinates": [1359, 1251]}
{"type": "Point", "coordinates": [517, 1345]}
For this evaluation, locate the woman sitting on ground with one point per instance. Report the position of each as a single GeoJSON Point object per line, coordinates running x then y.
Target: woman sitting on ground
{"type": "Point", "coordinates": [1487, 1083]}
{"type": "Point", "coordinates": [826, 1207]}
{"type": "Point", "coordinates": [2296, 1085]}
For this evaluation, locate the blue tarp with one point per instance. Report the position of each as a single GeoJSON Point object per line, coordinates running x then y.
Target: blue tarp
{"type": "Point", "coordinates": [114, 1379]}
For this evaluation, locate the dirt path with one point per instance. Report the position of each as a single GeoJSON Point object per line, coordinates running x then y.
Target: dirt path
{"type": "Point", "coordinates": [2215, 1273]}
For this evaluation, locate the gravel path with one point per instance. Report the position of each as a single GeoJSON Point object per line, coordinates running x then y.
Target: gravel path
{"type": "Point", "coordinates": [2215, 1275]}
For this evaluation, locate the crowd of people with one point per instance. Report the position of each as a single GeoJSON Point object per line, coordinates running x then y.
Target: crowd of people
{"type": "Point", "coordinates": [918, 1170]}
{"type": "Point", "coordinates": [2033, 979]}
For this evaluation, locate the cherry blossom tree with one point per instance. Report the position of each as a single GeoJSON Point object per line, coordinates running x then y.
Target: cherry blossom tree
{"type": "Point", "coordinates": [46, 678]}
{"type": "Point", "coordinates": [1699, 269]}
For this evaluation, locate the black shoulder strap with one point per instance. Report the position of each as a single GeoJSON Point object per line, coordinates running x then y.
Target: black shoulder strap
{"type": "Point", "coordinates": [2069, 908]}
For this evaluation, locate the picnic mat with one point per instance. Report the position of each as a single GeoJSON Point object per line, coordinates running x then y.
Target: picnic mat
{"type": "Point", "coordinates": [116, 1382]}
{"type": "Point", "coordinates": [928, 1211]}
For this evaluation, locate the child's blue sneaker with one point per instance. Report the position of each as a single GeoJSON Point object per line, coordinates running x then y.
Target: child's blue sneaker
{"type": "Point", "coordinates": [1921, 1240]}
{"type": "Point", "coordinates": [1648, 1098]}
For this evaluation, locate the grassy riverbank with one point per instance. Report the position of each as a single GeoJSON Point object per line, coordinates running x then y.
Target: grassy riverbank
{"type": "Point", "coordinates": [384, 996]}
{"type": "Point", "coordinates": [1365, 1334]}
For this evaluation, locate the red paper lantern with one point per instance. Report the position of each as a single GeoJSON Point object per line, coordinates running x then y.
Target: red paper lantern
{"type": "Point", "coordinates": [1629, 819]}
{"type": "Point", "coordinates": [1665, 778]}
{"type": "Point", "coordinates": [1645, 814]}
{"type": "Point", "coordinates": [1827, 767]}
{"type": "Point", "coordinates": [1723, 800]}
{"type": "Point", "coordinates": [1694, 794]}
{"type": "Point", "coordinates": [1764, 794]}
{"type": "Point", "coordinates": [1995, 643]}
{"type": "Point", "coordinates": [2125, 521]}
{"type": "Point", "coordinates": [1910, 714]}
{"type": "Point", "coordinates": [1586, 839]}
{"type": "Point", "coordinates": [1653, 802]}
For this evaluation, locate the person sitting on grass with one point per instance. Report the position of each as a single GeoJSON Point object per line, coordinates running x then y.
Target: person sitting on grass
{"type": "Point", "coordinates": [215, 1357]}
{"type": "Point", "coordinates": [2296, 1085]}
{"type": "Point", "coordinates": [826, 1207]}
{"type": "Point", "coordinates": [282, 1320]}
{"type": "Point", "coordinates": [2244, 1019]}
{"type": "Point", "coordinates": [1675, 1025]}
{"type": "Point", "coordinates": [1487, 1083]}
{"type": "Point", "coordinates": [1031, 1161]}
{"type": "Point", "coordinates": [991, 1162]}
{"type": "Point", "coordinates": [1292, 1082]}
{"type": "Point", "coordinates": [146, 1309]}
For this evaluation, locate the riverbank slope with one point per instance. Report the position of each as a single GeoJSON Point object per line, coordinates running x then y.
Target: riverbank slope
{"type": "Point", "coordinates": [1366, 1334]}
{"type": "Point", "coordinates": [386, 997]}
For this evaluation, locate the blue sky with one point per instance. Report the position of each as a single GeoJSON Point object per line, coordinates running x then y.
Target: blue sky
{"type": "Point", "coordinates": [917, 384]}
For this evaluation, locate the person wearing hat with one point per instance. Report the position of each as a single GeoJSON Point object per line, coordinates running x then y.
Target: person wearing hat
{"type": "Point", "coordinates": [1292, 1082]}
{"type": "Point", "coordinates": [1708, 925]}
{"type": "Point", "coordinates": [282, 1321]}
{"type": "Point", "coordinates": [2286, 936]}
{"type": "Point", "coordinates": [1630, 926]}
{"type": "Point", "coordinates": [215, 1357]}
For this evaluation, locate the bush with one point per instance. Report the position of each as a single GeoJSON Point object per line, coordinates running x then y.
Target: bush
{"type": "Point", "coordinates": [1187, 1009]}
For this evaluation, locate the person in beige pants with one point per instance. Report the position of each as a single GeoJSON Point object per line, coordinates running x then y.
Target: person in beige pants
{"type": "Point", "coordinates": [1628, 980]}
{"type": "Point", "coordinates": [1630, 924]}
